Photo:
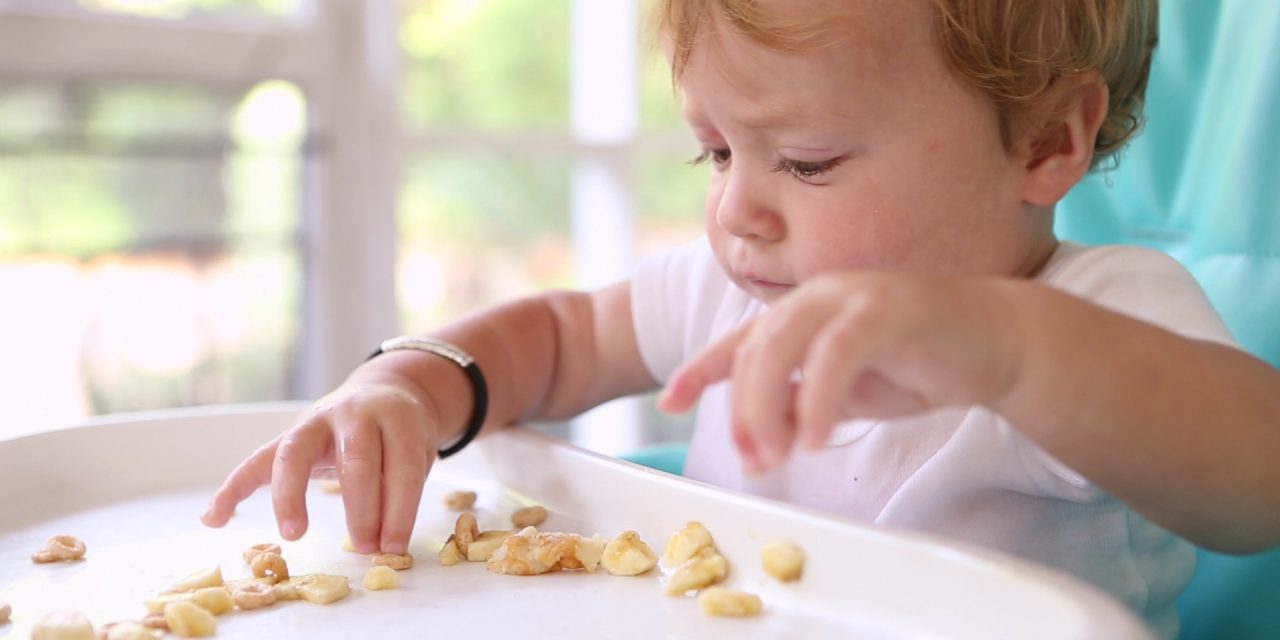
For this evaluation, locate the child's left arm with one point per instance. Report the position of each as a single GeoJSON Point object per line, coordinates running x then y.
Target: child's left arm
{"type": "Point", "coordinates": [1185, 431]}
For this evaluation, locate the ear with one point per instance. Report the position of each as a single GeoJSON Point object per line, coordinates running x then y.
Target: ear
{"type": "Point", "coordinates": [1061, 147]}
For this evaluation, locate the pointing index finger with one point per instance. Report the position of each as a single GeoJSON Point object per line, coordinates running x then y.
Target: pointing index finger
{"type": "Point", "coordinates": [713, 364]}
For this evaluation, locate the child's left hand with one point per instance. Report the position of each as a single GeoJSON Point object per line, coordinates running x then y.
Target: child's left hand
{"type": "Point", "coordinates": [856, 345]}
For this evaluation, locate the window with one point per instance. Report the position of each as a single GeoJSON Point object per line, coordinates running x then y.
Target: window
{"type": "Point", "coordinates": [210, 201]}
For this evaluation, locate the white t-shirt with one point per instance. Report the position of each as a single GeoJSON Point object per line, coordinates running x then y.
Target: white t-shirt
{"type": "Point", "coordinates": [964, 473]}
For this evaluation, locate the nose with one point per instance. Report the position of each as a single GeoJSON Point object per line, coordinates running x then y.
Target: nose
{"type": "Point", "coordinates": [746, 210]}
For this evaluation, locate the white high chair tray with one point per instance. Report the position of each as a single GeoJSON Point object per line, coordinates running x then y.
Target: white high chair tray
{"type": "Point", "coordinates": [133, 487]}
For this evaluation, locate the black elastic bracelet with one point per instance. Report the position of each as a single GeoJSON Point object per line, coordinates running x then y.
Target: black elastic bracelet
{"type": "Point", "coordinates": [479, 390]}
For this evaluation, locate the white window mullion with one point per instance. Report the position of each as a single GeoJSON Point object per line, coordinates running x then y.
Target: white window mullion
{"type": "Point", "coordinates": [604, 112]}
{"type": "Point", "coordinates": [350, 226]}
{"type": "Point", "coordinates": [61, 44]}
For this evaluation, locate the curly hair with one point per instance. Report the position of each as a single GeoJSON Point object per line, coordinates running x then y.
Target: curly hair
{"type": "Point", "coordinates": [1013, 51]}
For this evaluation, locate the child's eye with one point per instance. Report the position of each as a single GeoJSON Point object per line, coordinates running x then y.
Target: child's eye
{"type": "Point", "coordinates": [802, 169]}
{"type": "Point", "coordinates": [718, 157]}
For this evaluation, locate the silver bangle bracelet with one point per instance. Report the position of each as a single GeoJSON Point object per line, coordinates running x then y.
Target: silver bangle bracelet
{"type": "Point", "coordinates": [449, 351]}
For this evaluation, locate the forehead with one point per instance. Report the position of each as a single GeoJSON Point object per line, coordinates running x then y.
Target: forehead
{"type": "Point", "coordinates": [836, 49]}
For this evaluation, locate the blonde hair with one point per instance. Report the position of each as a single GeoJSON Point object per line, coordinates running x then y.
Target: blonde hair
{"type": "Point", "coordinates": [1013, 51]}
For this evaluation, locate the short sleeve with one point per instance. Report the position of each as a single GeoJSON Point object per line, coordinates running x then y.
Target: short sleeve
{"type": "Point", "coordinates": [675, 297]}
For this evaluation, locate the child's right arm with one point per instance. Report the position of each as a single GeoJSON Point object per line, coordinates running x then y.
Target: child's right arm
{"type": "Point", "coordinates": [545, 357]}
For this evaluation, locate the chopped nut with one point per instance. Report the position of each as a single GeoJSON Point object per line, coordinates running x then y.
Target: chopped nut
{"type": "Point", "coordinates": [63, 625]}
{"type": "Point", "coordinates": [188, 620]}
{"type": "Point", "coordinates": [346, 544]}
{"type": "Point", "coordinates": [530, 553]}
{"type": "Point", "coordinates": [396, 561]}
{"type": "Point", "coordinates": [329, 486]}
{"type": "Point", "coordinates": [485, 544]}
{"type": "Point", "coordinates": [381, 577]}
{"type": "Point", "coordinates": [718, 601]}
{"type": "Point", "coordinates": [782, 560]}
{"type": "Point", "coordinates": [628, 555]}
{"type": "Point", "coordinates": [685, 543]}
{"type": "Point", "coordinates": [460, 500]}
{"type": "Point", "coordinates": [215, 600]}
{"type": "Point", "coordinates": [702, 570]}
{"type": "Point", "coordinates": [528, 517]}
{"type": "Point", "coordinates": [449, 553]}
{"type": "Point", "coordinates": [464, 531]}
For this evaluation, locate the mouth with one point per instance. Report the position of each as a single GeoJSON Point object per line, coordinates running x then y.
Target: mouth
{"type": "Point", "coordinates": [768, 284]}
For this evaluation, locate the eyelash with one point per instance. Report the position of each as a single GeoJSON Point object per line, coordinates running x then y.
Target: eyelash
{"type": "Point", "coordinates": [799, 169]}
{"type": "Point", "coordinates": [715, 156]}
{"type": "Point", "coordinates": [804, 170]}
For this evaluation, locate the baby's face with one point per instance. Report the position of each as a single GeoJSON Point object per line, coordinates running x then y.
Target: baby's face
{"type": "Point", "coordinates": [868, 154]}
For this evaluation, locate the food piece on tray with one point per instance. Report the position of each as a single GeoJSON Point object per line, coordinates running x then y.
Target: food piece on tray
{"type": "Point", "coordinates": [459, 500]}
{"type": "Point", "coordinates": [449, 553]}
{"type": "Point", "coordinates": [394, 561]}
{"type": "Point", "coordinates": [528, 517]}
{"type": "Point", "coordinates": [63, 625]}
{"type": "Point", "coordinates": [254, 595]}
{"type": "Point", "coordinates": [628, 555]}
{"type": "Point", "coordinates": [782, 560]}
{"type": "Point", "coordinates": [482, 548]}
{"type": "Point", "coordinates": [286, 591]}
{"type": "Point", "coordinates": [685, 543]}
{"type": "Point", "coordinates": [321, 588]}
{"type": "Point", "coordinates": [154, 621]}
{"type": "Point", "coordinates": [199, 580]}
{"type": "Point", "coordinates": [188, 620]}
{"type": "Point", "coordinates": [270, 565]}
{"type": "Point", "coordinates": [464, 531]}
{"type": "Point", "coordinates": [381, 577]}
{"type": "Point", "coordinates": [706, 568]}
{"type": "Point", "coordinates": [5, 612]}
{"type": "Point", "coordinates": [329, 486]}
{"type": "Point", "coordinates": [718, 601]}
{"type": "Point", "coordinates": [531, 552]}
{"type": "Point", "coordinates": [259, 549]}
{"type": "Point", "coordinates": [126, 630]}
{"type": "Point", "coordinates": [61, 548]}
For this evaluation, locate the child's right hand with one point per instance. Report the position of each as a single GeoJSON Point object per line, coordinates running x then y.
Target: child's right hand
{"type": "Point", "coordinates": [381, 438]}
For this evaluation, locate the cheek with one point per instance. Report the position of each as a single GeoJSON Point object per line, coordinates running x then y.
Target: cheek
{"type": "Point", "coordinates": [715, 189]}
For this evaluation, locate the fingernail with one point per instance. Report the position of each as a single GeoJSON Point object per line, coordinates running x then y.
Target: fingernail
{"type": "Point", "coordinates": [289, 529]}
{"type": "Point", "coordinates": [393, 547]}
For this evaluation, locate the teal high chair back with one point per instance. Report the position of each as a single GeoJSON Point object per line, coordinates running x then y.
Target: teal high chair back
{"type": "Point", "coordinates": [1202, 183]}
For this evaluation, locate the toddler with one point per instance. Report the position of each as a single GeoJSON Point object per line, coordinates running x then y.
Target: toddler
{"type": "Point", "coordinates": [879, 321]}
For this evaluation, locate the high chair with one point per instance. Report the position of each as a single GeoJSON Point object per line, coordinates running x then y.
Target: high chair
{"type": "Point", "coordinates": [1201, 184]}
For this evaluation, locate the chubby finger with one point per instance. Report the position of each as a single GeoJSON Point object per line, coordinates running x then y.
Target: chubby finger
{"type": "Point", "coordinates": [711, 365]}
{"type": "Point", "coordinates": [405, 464]}
{"type": "Point", "coordinates": [763, 388]}
{"type": "Point", "coordinates": [250, 474]}
{"type": "Point", "coordinates": [838, 357]}
{"type": "Point", "coordinates": [359, 450]}
{"type": "Point", "coordinates": [298, 451]}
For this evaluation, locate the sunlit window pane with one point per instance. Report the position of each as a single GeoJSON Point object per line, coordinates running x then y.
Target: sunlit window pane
{"type": "Point", "coordinates": [148, 250]}
{"type": "Point", "coordinates": [478, 226]}
{"type": "Point", "coordinates": [497, 64]}
{"type": "Point", "coordinates": [187, 8]}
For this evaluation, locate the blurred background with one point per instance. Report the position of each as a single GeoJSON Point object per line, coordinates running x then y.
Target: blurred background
{"type": "Point", "coordinates": [222, 201]}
